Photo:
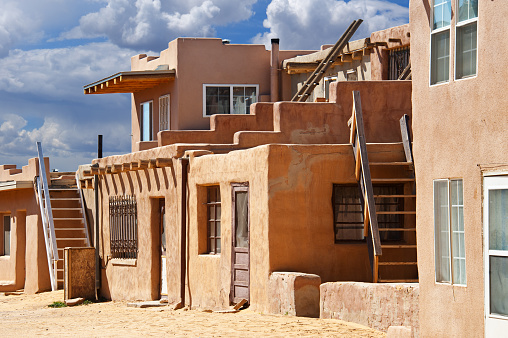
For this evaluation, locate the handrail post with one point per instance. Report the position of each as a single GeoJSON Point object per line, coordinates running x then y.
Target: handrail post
{"type": "Point", "coordinates": [83, 211]}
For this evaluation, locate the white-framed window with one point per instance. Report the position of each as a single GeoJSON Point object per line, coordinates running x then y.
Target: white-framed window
{"type": "Point", "coordinates": [6, 236]}
{"type": "Point", "coordinates": [440, 41]}
{"type": "Point", "coordinates": [466, 38]}
{"type": "Point", "coordinates": [164, 116]}
{"type": "Point", "coordinates": [449, 240]}
{"type": "Point", "coordinates": [228, 99]}
{"type": "Point", "coordinates": [146, 132]}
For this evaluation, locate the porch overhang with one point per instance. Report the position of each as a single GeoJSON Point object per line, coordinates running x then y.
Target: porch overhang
{"type": "Point", "coordinates": [130, 82]}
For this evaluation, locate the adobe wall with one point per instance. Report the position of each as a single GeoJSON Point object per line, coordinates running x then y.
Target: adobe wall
{"type": "Point", "coordinates": [139, 279]}
{"type": "Point", "coordinates": [457, 126]}
{"type": "Point", "coordinates": [26, 267]}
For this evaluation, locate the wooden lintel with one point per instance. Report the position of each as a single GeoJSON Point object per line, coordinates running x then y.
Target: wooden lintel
{"type": "Point", "coordinates": [126, 166]}
{"type": "Point", "coordinates": [134, 165]}
{"type": "Point", "coordinates": [382, 43]}
{"type": "Point", "coordinates": [102, 170]}
{"type": "Point", "coordinates": [164, 162]}
{"type": "Point", "coordinates": [346, 58]}
{"type": "Point", "coordinates": [116, 168]}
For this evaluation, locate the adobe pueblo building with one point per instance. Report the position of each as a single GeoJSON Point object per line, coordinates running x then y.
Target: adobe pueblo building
{"type": "Point", "coordinates": [268, 194]}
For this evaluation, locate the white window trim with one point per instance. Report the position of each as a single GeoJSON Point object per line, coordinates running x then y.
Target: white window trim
{"type": "Point", "coordinates": [141, 122]}
{"type": "Point", "coordinates": [436, 31]}
{"type": "Point", "coordinates": [459, 24]}
{"type": "Point", "coordinates": [230, 93]}
{"type": "Point", "coordinates": [451, 282]}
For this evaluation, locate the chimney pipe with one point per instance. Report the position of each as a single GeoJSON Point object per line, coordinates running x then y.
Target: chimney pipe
{"type": "Point", "coordinates": [274, 71]}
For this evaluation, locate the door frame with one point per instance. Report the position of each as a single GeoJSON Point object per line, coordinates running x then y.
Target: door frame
{"type": "Point", "coordinates": [235, 187]}
{"type": "Point", "coordinates": [162, 265]}
{"type": "Point", "coordinates": [494, 324]}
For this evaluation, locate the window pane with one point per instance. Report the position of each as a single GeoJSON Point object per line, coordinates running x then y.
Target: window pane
{"type": "Point", "coordinates": [440, 57]}
{"type": "Point", "coordinates": [499, 285]}
{"type": "Point", "coordinates": [243, 97]}
{"type": "Point", "coordinates": [468, 9]}
{"type": "Point", "coordinates": [217, 100]}
{"type": "Point", "coordinates": [466, 50]}
{"type": "Point", "coordinates": [498, 219]}
{"type": "Point", "coordinates": [146, 121]}
{"type": "Point", "coordinates": [242, 220]}
{"type": "Point", "coordinates": [441, 228]}
{"type": "Point", "coordinates": [7, 235]}
{"type": "Point", "coordinates": [442, 13]}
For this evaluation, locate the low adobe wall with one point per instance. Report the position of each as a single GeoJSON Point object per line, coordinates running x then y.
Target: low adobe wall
{"type": "Point", "coordinates": [378, 306]}
{"type": "Point", "coordinates": [294, 293]}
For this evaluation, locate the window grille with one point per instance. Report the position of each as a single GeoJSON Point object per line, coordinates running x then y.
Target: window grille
{"type": "Point", "coordinates": [123, 222]}
{"type": "Point", "coordinates": [348, 211]}
{"type": "Point", "coordinates": [399, 59]}
{"type": "Point", "coordinates": [213, 205]}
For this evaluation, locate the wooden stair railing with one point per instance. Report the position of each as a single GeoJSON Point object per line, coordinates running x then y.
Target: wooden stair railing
{"type": "Point", "coordinates": [362, 173]}
{"type": "Point", "coordinates": [398, 241]}
{"type": "Point", "coordinates": [303, 94]}
{"type": "Point", "coordinates": [47, 219]}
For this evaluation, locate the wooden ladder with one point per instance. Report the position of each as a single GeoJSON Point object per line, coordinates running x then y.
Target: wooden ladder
{"type": "Point", "coordinates": [308, 87]}
{"type": "Point", "coordinates": [389, 204]}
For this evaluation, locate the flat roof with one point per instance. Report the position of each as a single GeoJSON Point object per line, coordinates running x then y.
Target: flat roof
{"type": "Point", "coordinates": [130, 82]}
{"type": "Point", "coordinates": [13, 185]}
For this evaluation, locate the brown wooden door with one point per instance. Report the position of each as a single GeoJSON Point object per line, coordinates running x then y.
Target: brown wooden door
{"type": "Point", "coordinates": [163, 280]}
{"type": "Point", "coordinates": [240, 249]}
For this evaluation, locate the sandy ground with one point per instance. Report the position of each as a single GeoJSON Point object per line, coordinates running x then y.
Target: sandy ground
{"type": "Point", "coordinates": [29, 315]}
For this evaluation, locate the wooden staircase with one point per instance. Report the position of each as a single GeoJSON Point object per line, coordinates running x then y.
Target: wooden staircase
{"type": "Point", "coordinates": [64, 219]}
{"type": "Point", "coordinates": [389, 200]}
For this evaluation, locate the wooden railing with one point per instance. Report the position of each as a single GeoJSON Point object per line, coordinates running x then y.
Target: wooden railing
{"type": "Point", "coordinates": [47, 219]}
{"type": "Point", "coordinates": [362, 173]}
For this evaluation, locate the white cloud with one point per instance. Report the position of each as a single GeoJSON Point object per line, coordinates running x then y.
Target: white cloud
{"type": "Point", "coordinates": [61, 72]}
{"type": "Point", "coordinates": [151, 24]}
{"type": "Point", "coordinates": [307, 24]}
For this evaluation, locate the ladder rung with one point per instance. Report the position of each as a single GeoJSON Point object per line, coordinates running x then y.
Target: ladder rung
{"type": "Point", "coordinates": [392, 180]}
{"type": "Point", "coordinates": [398, 246]}
{"type": "Point", "coordinates": [391, 163]}
{"type": "Point", "coordinates": [395, 196]}
{"type": "Point", "coordinates": [397, 263]}
{"type": "Point", "coordinates": [402, 212]}
{"type": "Point", "coordinates": [397, 229]}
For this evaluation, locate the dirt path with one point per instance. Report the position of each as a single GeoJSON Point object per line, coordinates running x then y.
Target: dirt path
{"type": "Point", "coordinates": [29, 315]}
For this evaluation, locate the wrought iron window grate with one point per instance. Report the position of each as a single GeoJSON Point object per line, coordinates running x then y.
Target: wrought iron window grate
{"type": "Point", "coordinates": [123, 221]}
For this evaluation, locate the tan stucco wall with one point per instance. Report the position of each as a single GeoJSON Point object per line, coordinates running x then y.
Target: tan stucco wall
{"type": "Point", "coordinates": [26, 267]}
{"type": "Point", "coordinates": [379, 56]}
{"type": "Point", "coordinates": [457, 126]}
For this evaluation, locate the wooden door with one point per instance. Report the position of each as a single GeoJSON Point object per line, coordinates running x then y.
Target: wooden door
{"type": "Point", "coordinates": [240, 249]}
{"type": "Point", "coordinates": [495, 213]}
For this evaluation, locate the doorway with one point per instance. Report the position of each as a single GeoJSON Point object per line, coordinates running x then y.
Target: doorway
{"type": "Point", "coordinates": [162, 227]}
{"type": "Point", "coordinates": [240, 278]}
{"type": "Point", "coordinates": [495, 213]}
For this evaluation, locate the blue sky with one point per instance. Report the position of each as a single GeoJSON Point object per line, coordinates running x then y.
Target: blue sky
{"type": "Point", "coordinates": [50, 49]}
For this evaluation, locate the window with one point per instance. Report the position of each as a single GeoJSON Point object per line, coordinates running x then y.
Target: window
{"type": "Point", "coordinates": [6, 234]}
{"type": "Point", "coordinates": [440, 41]}
{"type": "Point", "coordinates": [123, 223]}
{"type": "Point", "coordinates": [228, 99]}
{"type": "Point", "coordinates": [164, 117]}
{"type": "Point", "coordinates": [450, 252]}
{"type": "Point", "coordinates": [399, 59]}
{"type": "Point", "coordinates": [348, 211]}
{"type": "Point", "coordinates": [146, 121]}
{"type": "Point", "coordinates": [213, 207]}
{"type": "Point", "coordinates": [466, 29]}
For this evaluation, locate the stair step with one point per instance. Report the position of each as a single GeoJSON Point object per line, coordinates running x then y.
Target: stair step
{"type": "Point", "coordinates": [78, 209]}
{"type": "Point", "coordinates": [400, 212]}
{"type": "Point", "coordinates": [68, 219]}
{"type": "Point", "coordinates": [397, 229]}
{"type": "Point", "coordinates": [65, 229]}
{"type": "Point", "coordinates": [64, 198]}
{"type": "Point", "coordinates": [391, 163]}
{"type": "Point", "coordinates": [398, 246]}
{"type": "Point", "coordinates": [71, 239]}
{"type": "Point", "coordinates": [397, 263]}
{"type": "Point", "coordinates": [397, 280]}
{"type": "Point", "coordinates": [395, 196]}
{"type": "Point", "coordinates": [392, 180]}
